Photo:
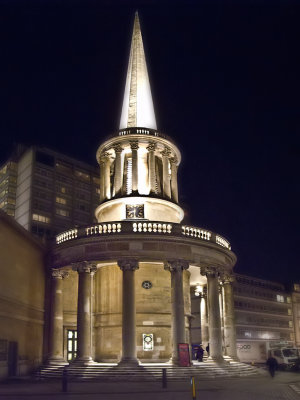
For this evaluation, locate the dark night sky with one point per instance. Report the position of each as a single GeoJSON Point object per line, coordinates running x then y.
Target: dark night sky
{"type": "Point", "coordinates": [225, 84]}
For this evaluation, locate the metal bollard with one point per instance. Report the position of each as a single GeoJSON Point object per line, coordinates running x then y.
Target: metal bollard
{"type": "Point", "coordinates": [164, 378]}
{"type": "Point", "coordinates": [193, 388]}
{"type": "Point", "coordinates": [65, 380]}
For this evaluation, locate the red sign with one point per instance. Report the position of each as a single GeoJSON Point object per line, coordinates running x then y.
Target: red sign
{"type": "Point", "coordinates": [184, 354]}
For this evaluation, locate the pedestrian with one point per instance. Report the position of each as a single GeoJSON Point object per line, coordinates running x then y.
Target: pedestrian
{"type": "Point", "coordinates": [200, 353]}
{"type": "Point", "coordinates": [272, 365]}
{"type": "Point", "coordinates": [207, 349]}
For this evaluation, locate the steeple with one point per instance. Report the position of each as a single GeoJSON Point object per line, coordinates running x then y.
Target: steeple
{"type": "Point", "coordinates": [138, 110]}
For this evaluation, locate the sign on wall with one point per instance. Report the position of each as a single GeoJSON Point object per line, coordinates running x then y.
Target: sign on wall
{"type": "Point", "coordinates": [147, 341]}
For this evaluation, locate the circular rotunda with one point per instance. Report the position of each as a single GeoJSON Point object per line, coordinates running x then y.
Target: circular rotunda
{"type": "Point", "coordinates": [121, 286]}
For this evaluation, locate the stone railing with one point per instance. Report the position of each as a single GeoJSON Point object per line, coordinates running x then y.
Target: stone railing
{"type": "Point", "coordinates": [141, 131]}
{"type": "Point", "coordinates": [143, 227]}
{"type": "Point", "coordinates": [196, 232]}
{"type": "Point", "coordinates": [152, 227]}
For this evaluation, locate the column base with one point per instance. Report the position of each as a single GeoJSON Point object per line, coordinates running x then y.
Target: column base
{"type": "Point", "coordinates": [57, 361]}
{"type": "Point", "coordinates": [129, 362]}
{"type": "Point", "coordinates": [217, 359]}
{"type": "Point", "coordinates": [84, 361]}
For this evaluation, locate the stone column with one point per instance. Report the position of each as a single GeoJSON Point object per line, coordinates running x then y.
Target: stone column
{"type": "Point", "coordinates": [177, 302]}
{"type": "Point", "coordinates": [174, 186]}
{"type": "Point", "coordinates": [86, 272]}
{"type": "Point", "coordinates": [204, 317]}
{"type": "Point", "coordinates": [214, 317]}
{"type": "Point", "coordinates": [166, 179]}
{"type": "Point", "coordinates": [129, 354]}
{"type": "Point", "coordinates": [107, 190]}
{"type": "Point", "coordinates": [151, 167]}
{"type": "Point", "coordinates": [221, 303]}
{"type": "Point", "coordinates": [102, 181]}
{"type": "Point", "coordinates": [118, 181]}
{"type": "Point", "coordinates": [56, 318]}
{"type": "Point", "coordinates": [229, 320]}
{"type": "Point", "coordinates": [135, 173]}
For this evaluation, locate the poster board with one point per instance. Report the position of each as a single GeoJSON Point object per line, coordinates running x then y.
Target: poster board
{"type": "Point", "coordinates": [184, 355]}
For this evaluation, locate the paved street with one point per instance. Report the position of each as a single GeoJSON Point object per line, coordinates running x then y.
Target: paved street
{"type": "Point", "coordinates": [285, 385]}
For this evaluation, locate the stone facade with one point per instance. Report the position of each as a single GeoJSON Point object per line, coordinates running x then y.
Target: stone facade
{"type": "Point", "coordinates": [22, 299]}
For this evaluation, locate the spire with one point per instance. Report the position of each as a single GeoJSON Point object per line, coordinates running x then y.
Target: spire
{"type": "Point", "coordinates": [138, 110]}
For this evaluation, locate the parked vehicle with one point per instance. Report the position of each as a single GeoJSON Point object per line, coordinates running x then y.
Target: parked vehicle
{"type": "Point", "coordinates": [286, 357]}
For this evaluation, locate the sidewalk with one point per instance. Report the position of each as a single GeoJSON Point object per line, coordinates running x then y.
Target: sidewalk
{"type": "Point", "coordinates": [285, 386]}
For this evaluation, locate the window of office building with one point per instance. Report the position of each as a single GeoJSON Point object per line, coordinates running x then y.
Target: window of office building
{"type": "Point", "coordinates": [41, 218]}
{"type": "Point", "coordinates": [280, 298]}
{"type": "Point", "coordinates": [63, 213]}
{"type": "Point", "coordinates": [82, 175]}
{"type": "Point", "coordinates": [60, 200]}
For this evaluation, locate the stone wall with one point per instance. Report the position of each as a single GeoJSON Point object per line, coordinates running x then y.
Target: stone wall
{"type": "Point", "coordinates": [22, 294]}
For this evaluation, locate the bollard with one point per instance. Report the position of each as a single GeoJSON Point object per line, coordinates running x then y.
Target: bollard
{"type": "Point", "coordinates": [193, 388]}
{"type": "Point", "coordinates": [164, 378]}
{"type": "Point", "coordinates": [65, 380]}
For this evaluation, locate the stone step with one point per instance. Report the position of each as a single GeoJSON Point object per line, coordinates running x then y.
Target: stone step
{"type": "Point", "coordinates": [108, 372]}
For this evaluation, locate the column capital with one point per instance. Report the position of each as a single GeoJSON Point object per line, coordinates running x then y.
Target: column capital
{"type": "Point", "coordinates": [174, 160]}
{"type": "Point", "coordinates": [209, 271]}
{"type": "Point", "coordinates": [151, 146]}
{"type": "Point", "coordinates": [85, 266]}
{"type": "Point", "coordinates": [227, 278]}
{"type": "Point", "coordinates": [176, 265]}
{"type": "Point", "coordinates": [166, 152]}
{"type": "Point", "coordinates": [59, 273]}
{"type": "Point", "coordinates": [134, 145]}
{"type": "Point", "coordinates": [105, 156]}
{"type": "Point", "coordinates": [128, 264]}
{"type": "Point", "coordinates": [118, 148]}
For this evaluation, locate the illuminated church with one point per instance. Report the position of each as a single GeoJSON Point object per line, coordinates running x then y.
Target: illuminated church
{"type": "Point", "coordinates": [121, 287]}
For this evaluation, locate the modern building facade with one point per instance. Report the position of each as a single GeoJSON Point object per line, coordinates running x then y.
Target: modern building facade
{"type": "Point", "coordinates": [266, 315]}
{"type": "Point", "coordinates": [47, 192]}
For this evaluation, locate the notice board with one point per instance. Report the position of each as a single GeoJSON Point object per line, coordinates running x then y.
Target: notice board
{"type": "Point", "coordinates": [184, 354]}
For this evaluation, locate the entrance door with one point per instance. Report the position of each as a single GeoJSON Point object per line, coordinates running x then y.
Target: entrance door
{"type": "Point", "coordinates": [12, 358]}
{"type": "Point", "coordinates": [72, 344]}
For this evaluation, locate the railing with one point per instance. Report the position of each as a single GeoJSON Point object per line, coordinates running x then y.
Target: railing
{"type": "Point", "coordinates": [141, 131]}
{"type": "Point", "coordinates": [223, 242]}
{"type": "Point", "coordinates": [142, 227]}
{"type": "Point", "coordinates": [152, 227]}
{"type": "Point", "coordinates": [196, 232]}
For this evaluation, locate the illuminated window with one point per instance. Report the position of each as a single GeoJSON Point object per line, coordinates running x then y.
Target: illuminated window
{"type": "Point", "coordinates": [60, 200]}
{"type": "Point", "coordinates": [288, 299]}
{"type": "Point", "coordinates": [3, 203]}
{"type": "Point", "coordinates": [129, 176]}
{"type": "Point", "coordinates": [82, 175]}
{"type": "Point", "coordinates": [63, 213]}
{"type": "Point", "coordinates": [97, 190]}
{"type": "Point", "coordinates": [289, 311]}
{"type": "Point", "coordinates": [41, 218]}
{"type": "Point", "coordinates": [296, 287]}
{"type": "Point", "coordinates": [290, 324]}
{"type": "Point", "coordinates": [280, 298]}
{"type": "Point", "coordinates": [71, 344]}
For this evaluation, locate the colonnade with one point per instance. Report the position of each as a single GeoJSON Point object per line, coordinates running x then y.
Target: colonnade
{"type": "Point", "coordinates": [164, 185]}
{"type": "Point", "coordinates": [217, 312]}
{"type": "Point", "coordinates": [211, 328]}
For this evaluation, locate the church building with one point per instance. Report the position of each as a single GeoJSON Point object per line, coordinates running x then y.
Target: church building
{"type": "Point", "coordinates": [119, 290]}
{"type": "Point", "coordinates": [121, 287]}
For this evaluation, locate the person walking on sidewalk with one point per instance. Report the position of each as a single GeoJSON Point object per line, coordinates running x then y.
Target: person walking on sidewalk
{"type": "Point", "coordinates": [272, 365]}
